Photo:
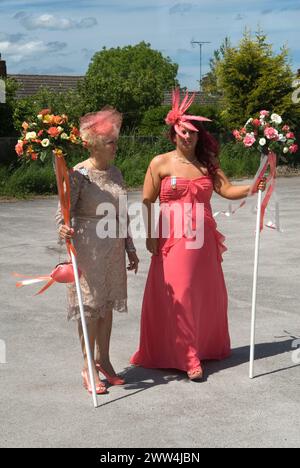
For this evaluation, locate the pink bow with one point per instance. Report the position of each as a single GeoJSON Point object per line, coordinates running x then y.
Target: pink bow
{"type": "Point", "coordinates": [63, 273]}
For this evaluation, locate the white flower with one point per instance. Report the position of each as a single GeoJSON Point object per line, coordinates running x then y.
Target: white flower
{"type": "Point", "coordinates": [64, 136]}
{"type": "Point", "coordinates": [40, 117]}
{"type": "Point", "coordinates": [30, 136]}
{"type": "Point", "coordinates": [282, 138]}
{"type": "Point", "coordinates": [45, 142]}
{"type": "Point", "coordinates": [285, 150]}
{"type": "Point", "coordinates": [60, 129]}
{"type": "Point", "coordinates": [262, 142]}
{"type": "Point", "coordinates": [276, 118]}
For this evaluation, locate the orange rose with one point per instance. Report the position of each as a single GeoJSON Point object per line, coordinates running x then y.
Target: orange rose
{"type": "Point", "coordinates": [25, 126]}
{"type": "Point", "coordinates": [57, 120]}
{"type": "Point", "coordinates": [53, 132]}
{"type": "Point", "coordinates": [34, 156]}
{"type": "Point", "coordinates": [19, 149]}
{"type": "Point", "coordinates": [75, 131]}
{"type": "Point", "coordinates": [45, 112]}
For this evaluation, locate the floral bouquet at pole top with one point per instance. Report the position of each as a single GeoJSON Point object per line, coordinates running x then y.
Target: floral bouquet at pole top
{"type": "Point", "coordinates": [49, 134]}
{"type": "Point", "coordinates": [267, 133]}
{"type": "Point", "coordinates": [52, 136]}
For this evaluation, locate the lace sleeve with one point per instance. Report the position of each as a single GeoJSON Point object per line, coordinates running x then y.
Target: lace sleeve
{"type": "Point", "coordinates": [75, 184]}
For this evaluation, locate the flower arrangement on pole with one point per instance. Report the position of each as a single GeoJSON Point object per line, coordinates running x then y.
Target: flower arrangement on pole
{"type": "Point", "coordinates": [267, 132]}
{"type": "Point", "coordinates": [273, 138]}
{"type": "Point", "coordinates": [52, 135]}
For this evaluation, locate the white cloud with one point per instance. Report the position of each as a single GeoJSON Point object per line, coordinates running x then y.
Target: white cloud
{"type": "Point", "coordinates": [31, 49]}
{"type": "Point", "coordinates": [53, 23]}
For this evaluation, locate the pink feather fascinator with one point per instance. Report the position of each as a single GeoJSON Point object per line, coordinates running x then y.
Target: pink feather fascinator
{"type": "Point", "coordinates": [177, 116]}
{"type": "Point", "coordinates": [106, 123]}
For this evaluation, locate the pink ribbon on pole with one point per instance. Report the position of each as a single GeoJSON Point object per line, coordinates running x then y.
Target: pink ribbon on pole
{"type": "Point", "coordinates": [268, 161]}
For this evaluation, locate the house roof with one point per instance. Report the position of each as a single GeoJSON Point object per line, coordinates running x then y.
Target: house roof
{"type": "Point", "coordinates": [30, 84]}
{"type": "Point", "coordinates": [200, 98]}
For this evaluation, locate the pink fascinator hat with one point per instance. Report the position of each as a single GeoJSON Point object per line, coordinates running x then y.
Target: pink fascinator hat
{"type": "Point", "coordinates": [106, 123]}
{"type": "Point", "coordinates": [177, 117]}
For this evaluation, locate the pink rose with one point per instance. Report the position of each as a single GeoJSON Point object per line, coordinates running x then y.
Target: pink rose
{"type": "Point", "coordinates": [290, 136]}
{"type": "Point", "coordinates": [237, 135]}
{"type": "Point", "coordinates": [265, 113]}
{"type": "Point", "coordinates": [286, 128]}
{"type": "Point", "coordinates": [293, 149]}
{"type": "Point", "coordinates": [249, 140]}
{"type": "Point", "coordinates": [256, 123]}
{"type": "Point", "coordinates": [271, 133]}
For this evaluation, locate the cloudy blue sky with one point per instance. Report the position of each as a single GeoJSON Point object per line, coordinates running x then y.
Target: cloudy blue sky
{"type": "Point", "coordinates": [61, 36]}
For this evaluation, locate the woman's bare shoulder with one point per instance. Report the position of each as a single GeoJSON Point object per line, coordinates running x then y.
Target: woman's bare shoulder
{"type": "Point", "coordinates": [161, 160]}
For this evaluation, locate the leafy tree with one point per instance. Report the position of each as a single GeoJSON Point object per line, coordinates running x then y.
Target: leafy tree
{"type": "Point", "coordinates": [62, 102]}
{"type": "Point", "coordinates": [132, 78]}
{"type": "Point", "coordinates": [153, 122]}
{"type": "Point", "coordinates": [252, 77]}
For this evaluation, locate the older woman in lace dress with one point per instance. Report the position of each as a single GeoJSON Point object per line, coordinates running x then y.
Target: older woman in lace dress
{"type": "Point", "coordinates": [102, 260]}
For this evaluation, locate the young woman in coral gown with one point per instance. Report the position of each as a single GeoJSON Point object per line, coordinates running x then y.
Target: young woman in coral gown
{"type": "Point", "coordinates": [184, 314]}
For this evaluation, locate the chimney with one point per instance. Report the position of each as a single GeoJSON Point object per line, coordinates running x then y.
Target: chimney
{"type": "Point", "coordinates": [3, 71]}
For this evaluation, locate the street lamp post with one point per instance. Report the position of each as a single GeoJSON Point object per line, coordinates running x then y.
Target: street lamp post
{"type": "Point", "coordinates": [200, 44]}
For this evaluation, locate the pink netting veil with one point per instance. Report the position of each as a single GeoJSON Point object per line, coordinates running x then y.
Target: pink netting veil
{"type": "Point", "coordinates": [105, 123]}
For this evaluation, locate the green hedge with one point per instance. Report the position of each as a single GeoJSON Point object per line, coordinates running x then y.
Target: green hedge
{"type": "Point", "coordinates": [133, 157]}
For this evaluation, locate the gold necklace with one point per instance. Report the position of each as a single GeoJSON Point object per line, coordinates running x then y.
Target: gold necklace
{"type": "Point", "coordinates": [184, 161]}
{"type": "Point", "coordinates": [94, 165]}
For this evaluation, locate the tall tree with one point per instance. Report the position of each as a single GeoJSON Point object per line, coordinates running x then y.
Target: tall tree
{"type": "Point", "coordinates": [253, 77]}
{"type": "Point", "coordinates": [132, 78]}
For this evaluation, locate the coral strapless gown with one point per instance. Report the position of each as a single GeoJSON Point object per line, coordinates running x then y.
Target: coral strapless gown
{"type": "Point", "coordinates": [184, 313]}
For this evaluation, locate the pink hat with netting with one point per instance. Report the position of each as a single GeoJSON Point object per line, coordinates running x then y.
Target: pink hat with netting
{"type": "Point", "coordinates": [106, 123]}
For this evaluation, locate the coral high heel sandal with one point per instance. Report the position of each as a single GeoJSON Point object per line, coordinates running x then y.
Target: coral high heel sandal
{"type": "Point", "coordinates": [100, 388]}
{"type": "Point", "coordinates": [113, 380]}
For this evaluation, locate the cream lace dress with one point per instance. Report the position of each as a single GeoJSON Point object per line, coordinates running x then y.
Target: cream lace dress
{"type": "Point", "coordinates": [101, 261]}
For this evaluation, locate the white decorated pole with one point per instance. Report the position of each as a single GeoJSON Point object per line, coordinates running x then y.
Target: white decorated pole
{"type": "Point", "coordinates": [85, 330]}
{"type": "Point", "coordinates": [81, 308]}
{"type": "Point", "coordinates": [254, 290]}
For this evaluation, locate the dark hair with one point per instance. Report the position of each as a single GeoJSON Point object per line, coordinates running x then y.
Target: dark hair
{"type": "Point", "coordinates": [207, 149]}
